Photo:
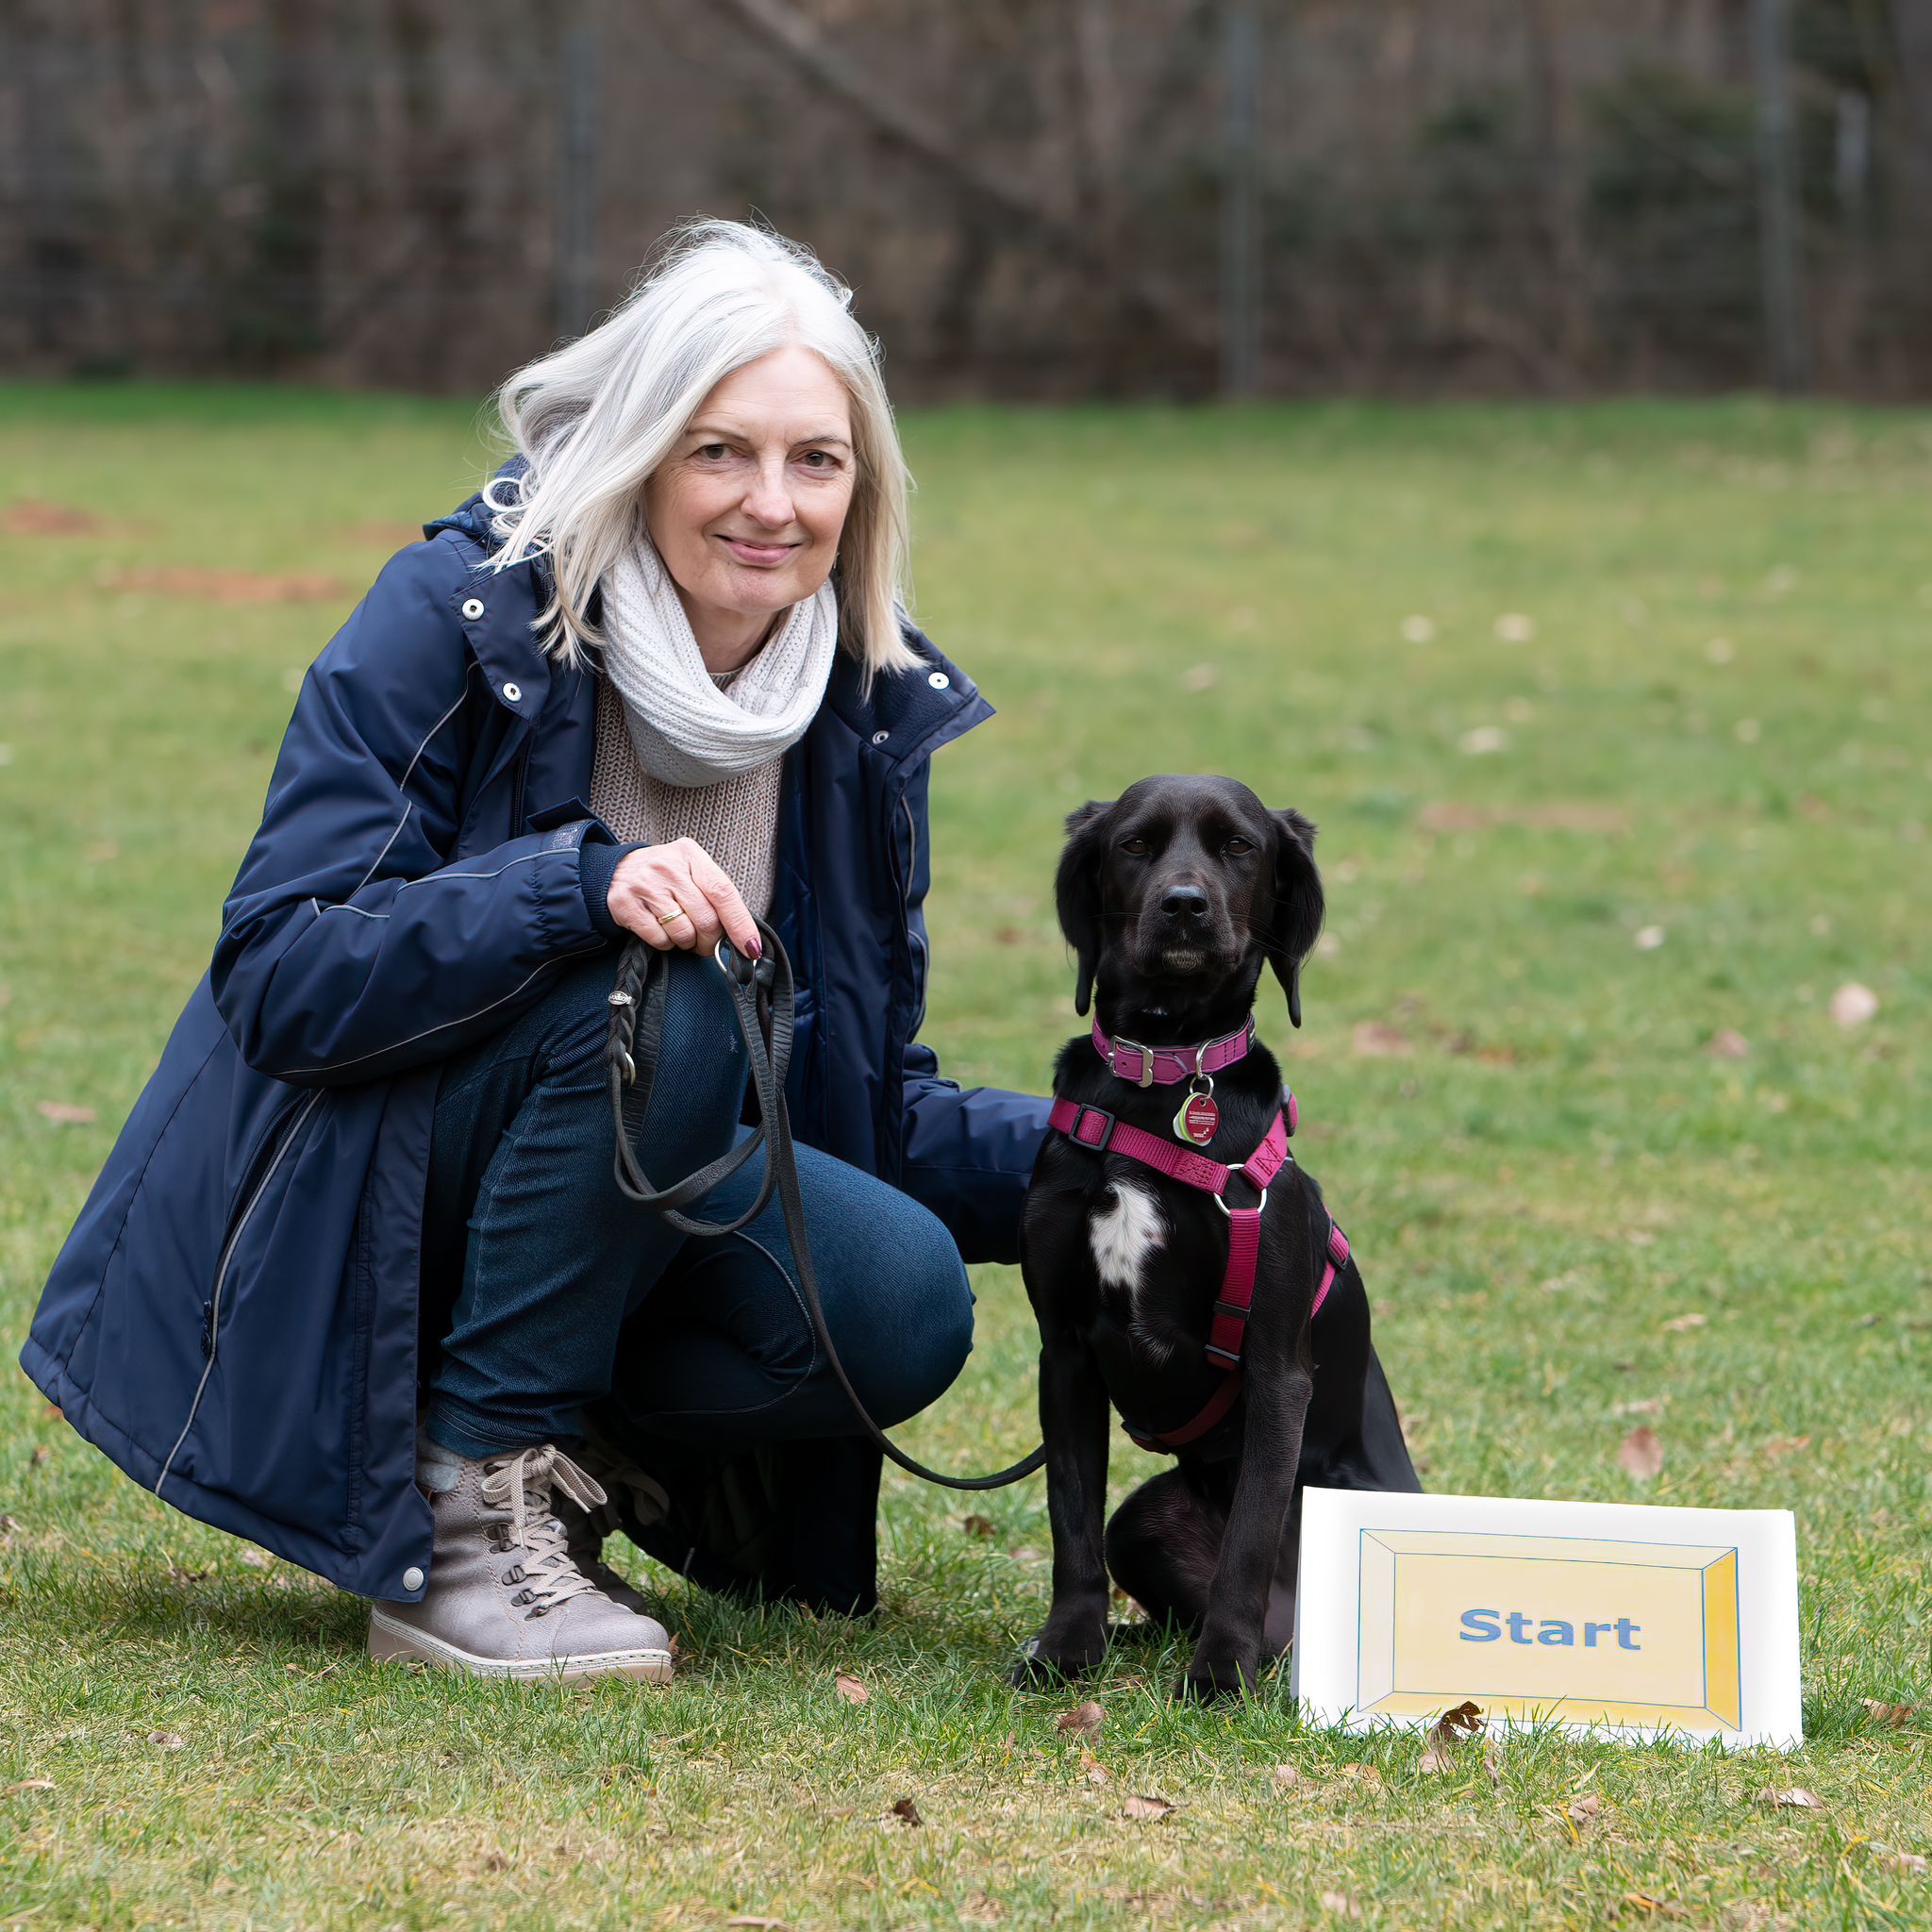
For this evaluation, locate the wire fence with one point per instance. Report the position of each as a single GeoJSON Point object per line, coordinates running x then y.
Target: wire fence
{"type": "Point", "coordinates": [1033, 197]}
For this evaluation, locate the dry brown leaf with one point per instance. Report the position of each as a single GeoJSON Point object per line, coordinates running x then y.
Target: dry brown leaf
{"type": "Point", "coordinates": [1581, 1810]}
{"type": "Point", "coordinates": [1910, 1863]}
{"type": "Point", "coordinates": [1286, 1777]}
{"type": "Point", "coordinates": [40, 1454]}
{"type": "Point", "coordinates": [1372, 1039]}
{"type": "Point", "coordinates": [976, 1525]}
{"type": "Point", "coordinates": [31, 1784]}
{"type": "Point", "coordinates": [906, 1812]}
{"type": "Point", "coordinates": [1025, 1555]}
{"type": "Point", "coordinates": [1362, 1773]}
{"type": "Point", "coordinates": [1727, 1043]}
{"type": "Point", "coordinates": [1640, 1455]}
{"type": "Point", "coordinates": [1448, 1730]}
{"type": "Point", "coordinates": [1084, 1719]}
{"type": "Point", "coordinates": [1147, 1807]}
{"type": "Point", "coordinates": [1650, 1405]}
{"type": "Point", "coordinates": [1493, 1762]}
{"type": "Point", "coordinates": [1682, 1324]}
{"type": "Point", "coordinates": [1889, 1714]}
{"type": "Point", "coordinates": [1341, 1905]}
{"type": "Point", "coordinates": [257, 1560]}
{"type": "Point", "coordinates": [851, 1690]}
{"type": "Point", "coordinates": [1097, 1773]}
{"type": "Point", "coordinates": [1780, 1446]}
{"type": "Point", "coordinates": [752, 1920]}
{"type": "Point", "coordinates": [1795, 1799]}
{"type": "Point", "coordinates": [168, 1740]}
{"type": "Point", "coordinates": [64, 1112]}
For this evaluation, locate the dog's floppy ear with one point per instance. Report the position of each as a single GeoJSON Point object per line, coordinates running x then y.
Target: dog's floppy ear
{"type": "Point", "coordinates": [1294, 921]}
{"type": "Point", "coordinates": [1077, 893]}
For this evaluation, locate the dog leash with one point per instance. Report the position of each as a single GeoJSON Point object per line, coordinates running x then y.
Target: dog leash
{"type": "Point", "coordinates": [763, 996]}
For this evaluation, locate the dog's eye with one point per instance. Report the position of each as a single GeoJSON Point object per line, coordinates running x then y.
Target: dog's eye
{"type": "Point", "coordinates": [1137, 846]}
{"type": "Point", "coordinates": [1238, 846]}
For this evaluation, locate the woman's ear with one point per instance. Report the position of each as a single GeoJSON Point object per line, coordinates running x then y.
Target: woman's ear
{"type": "Point", "coordinates": [1077, 893]}
{"type": "Point", "coordinates": [1296, 920]}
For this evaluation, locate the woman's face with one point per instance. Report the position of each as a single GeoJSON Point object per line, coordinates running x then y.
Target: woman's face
{"type": "Point", "coordinates": [747, 507]}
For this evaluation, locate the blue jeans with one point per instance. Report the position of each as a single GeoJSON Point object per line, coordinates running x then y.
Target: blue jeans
{"type": "Point", "coordinates": [548, 1294]}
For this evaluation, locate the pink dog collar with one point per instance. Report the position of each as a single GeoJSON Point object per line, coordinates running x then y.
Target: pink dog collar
{"type": "Point", "coordinates": [1166, 1066]}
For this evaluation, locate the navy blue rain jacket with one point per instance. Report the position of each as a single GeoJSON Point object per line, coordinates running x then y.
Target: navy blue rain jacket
{"type": "Point", "coordinates": [233, 1319]}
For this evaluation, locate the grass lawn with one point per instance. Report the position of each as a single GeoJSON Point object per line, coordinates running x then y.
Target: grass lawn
{"type": "Point", "coordinates": [1614, 720]}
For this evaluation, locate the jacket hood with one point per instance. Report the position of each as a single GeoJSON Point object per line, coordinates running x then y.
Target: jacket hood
{"type": "Point", "coordinates": [472, 516]}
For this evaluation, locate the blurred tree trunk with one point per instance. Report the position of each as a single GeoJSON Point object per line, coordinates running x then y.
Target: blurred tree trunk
{"type": "Point", "coordinates": [1557, 140]}
{"type": "Point", "coordinates": [283, 321]}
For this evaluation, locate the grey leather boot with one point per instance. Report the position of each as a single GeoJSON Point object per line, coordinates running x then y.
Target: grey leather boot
{"type": "Point", "coordinates": [505, 1598]}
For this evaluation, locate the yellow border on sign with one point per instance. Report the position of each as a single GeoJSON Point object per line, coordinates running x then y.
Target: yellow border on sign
{"type": "Point", "coordinates": [1380, 1549]}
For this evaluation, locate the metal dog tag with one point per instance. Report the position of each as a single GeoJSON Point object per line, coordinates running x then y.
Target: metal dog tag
{"type": "Point", "coordinates": [1197, 1116]}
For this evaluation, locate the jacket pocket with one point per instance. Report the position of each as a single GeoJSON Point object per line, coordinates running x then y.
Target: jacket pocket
{"type": "Point", "coordinates": [272, 1156]}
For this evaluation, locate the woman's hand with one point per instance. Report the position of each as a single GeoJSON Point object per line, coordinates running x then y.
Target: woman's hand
{"type": "Point", "coordinates": [677, 896]}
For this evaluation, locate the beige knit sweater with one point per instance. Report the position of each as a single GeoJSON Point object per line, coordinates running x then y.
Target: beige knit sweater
{"type": "Point", "coordinates": [736, 821]}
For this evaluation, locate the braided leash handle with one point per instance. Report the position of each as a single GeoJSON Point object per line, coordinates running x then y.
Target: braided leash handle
{"type": "Point", "coordinates": [762, 995]}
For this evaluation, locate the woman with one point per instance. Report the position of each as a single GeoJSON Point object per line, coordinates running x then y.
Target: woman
{"type": "Point", "coordinates": [653, 680]}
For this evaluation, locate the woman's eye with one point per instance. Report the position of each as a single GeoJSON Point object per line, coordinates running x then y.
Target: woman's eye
{"type": "Point", "coordinates": [1238, 846]}
{"type": "Point", "coordinates": [711, 451]}
{"type": "Point", "coordinates": [820, 460]}
{"type": "Point", "coordinates": [1137, 846]}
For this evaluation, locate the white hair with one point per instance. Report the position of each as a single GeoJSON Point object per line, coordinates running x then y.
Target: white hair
{"type": "Point", "coordinates": [597, 416]}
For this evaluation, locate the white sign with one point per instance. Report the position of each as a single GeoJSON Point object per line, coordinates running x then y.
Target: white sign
{"type": "Point", "coordinates": [1625, 1621]}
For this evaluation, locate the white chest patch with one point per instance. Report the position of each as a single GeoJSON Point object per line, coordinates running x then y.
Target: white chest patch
{"type": "Point", "coordinates": [1124, 1235]}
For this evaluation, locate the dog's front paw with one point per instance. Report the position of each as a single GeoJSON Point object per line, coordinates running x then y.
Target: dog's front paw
{"type": "Point", "coordinates": [1217, 1673]}
{"type": "Point", "coordinates": [1055, 1656]}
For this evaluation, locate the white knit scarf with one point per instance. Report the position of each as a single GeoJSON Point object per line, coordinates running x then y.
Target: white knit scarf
{"type": "Point", "coordinates": [686, 730]}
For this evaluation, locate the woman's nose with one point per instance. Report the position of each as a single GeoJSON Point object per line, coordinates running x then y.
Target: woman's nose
{"type": "Point", "coordinates": [768, 501]}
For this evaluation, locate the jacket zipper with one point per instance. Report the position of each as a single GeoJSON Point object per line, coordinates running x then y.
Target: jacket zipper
{"type": "Point", "coordinates": [913, 938]}
{"type": "Point", "coordinates": [212, 1324]}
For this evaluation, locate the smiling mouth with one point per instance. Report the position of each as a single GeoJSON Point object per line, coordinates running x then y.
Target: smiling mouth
{"type": "Point", "coordinates": [758, 554]}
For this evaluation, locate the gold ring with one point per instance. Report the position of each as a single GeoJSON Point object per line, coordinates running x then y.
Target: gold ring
{"type": "Point", "coordinates": [671, 917]}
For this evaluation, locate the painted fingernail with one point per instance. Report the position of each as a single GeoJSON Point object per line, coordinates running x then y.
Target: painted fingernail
{"type": "Point", "coordinates": [755, 947]}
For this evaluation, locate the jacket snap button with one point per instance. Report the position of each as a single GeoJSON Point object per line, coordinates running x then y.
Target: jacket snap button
{"type": "Point", "coordinates": [880, 737]}
{"type": "Point", "coordinates": [413, 1578]}
{"type": "Point", "coordinates": [473, 607]}
{"type": "Point", "coordinates": [512, 691]}
{"type": "Point", "coordinates": [939, 680]}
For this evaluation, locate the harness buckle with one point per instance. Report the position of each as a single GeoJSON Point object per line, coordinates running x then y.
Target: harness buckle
{"type": "Point", "coordinates": [1222, 1356]}
{"type": "Point", "coordinates": [1098, 1146]}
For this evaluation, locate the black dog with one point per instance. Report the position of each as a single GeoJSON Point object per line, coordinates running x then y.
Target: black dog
{"type": "Point", "coordinates": [1172, 897]}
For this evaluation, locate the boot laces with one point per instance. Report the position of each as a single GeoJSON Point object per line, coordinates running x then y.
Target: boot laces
{"type": "Point", "coordinates": [523, 1484]}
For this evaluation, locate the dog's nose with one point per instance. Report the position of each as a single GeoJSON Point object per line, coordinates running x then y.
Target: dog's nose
{"type": "Point", "coordinates": [1184, 902]}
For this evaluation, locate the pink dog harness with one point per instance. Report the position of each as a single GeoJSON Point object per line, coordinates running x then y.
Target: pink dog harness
{"type": "Point", "coordinates": [1094, 1127]}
